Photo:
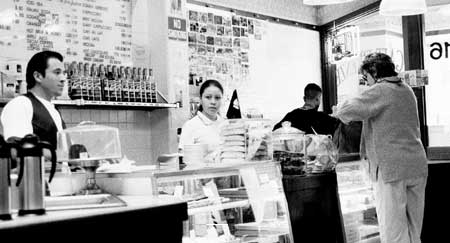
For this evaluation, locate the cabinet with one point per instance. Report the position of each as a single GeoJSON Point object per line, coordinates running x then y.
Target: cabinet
{"type": "Point", "coordinates": [357, 202]}
{"type": "Point", "coordinates": [242, 202]}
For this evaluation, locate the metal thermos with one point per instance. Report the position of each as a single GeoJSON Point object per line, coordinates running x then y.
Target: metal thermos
{"type": "Point", "coordinates": [5, 180]}
{"type": "Point", "coordinates": [31, 181]}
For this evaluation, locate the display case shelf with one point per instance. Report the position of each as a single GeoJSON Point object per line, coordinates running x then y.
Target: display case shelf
{"type": "Point", "coordinates": [222, 206]}
{"type": "Point", "coordinates": [104, 104]}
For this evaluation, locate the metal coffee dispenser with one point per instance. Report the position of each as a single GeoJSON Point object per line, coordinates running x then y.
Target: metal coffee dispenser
{"type": "Point", "coordinates": [31, 181]}
{"type": "Point", "coordinates": [87, 145]}
{"type": "Point", "coordinates": [5, 180]}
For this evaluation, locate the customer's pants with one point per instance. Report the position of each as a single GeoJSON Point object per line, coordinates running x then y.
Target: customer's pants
{"type": "Point", "coordinates": [400, 207]}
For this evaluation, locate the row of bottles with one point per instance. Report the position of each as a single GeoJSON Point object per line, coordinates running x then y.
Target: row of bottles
{"type": "Point", "coordinates": [110, 83]}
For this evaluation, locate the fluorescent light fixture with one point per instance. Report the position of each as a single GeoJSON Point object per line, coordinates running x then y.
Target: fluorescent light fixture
{"type": "Point", "coordinates": [402, 7]}
{"type": "Point", "coordinates": [324, 2]}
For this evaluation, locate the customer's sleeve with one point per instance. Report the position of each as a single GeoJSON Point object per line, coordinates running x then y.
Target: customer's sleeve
{"type": "Point", "coordinates": [16, 118]}
{"type": "Point", "coordinates": [364, 106]}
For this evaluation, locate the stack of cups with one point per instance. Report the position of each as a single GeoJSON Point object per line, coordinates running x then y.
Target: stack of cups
{"type": "Point", "coordinates": [194, 153]}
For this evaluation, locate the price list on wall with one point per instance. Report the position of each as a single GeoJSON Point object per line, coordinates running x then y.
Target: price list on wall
{"type": "Point", "coordinates": [97, 31]}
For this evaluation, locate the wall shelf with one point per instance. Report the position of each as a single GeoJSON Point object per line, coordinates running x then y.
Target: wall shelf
{"type": "Point", "coordinates": [90, 104]}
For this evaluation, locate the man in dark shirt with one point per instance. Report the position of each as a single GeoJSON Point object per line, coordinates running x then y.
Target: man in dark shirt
{"type": "Point", "coordinates": [307, 118]}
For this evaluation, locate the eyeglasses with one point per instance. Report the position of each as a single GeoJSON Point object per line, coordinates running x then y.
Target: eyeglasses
{"type": "Point", "coordinates": [363, 79]}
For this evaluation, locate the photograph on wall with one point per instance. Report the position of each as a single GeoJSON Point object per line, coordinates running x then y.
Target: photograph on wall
{"type": "Point", "coordinates": [220, 30]}
{"type": "Point", "coordinates": [218, 20]}
{"type": "Point", "coordinates": [193, 15]}
{"type": "Point", "coordinates": [226, 41]}
{"type": "Point", "coordinates": [237, 42]}
{"type": "Point", "coordinates": [201, 39]}
{"type": "Point", "coordinates": [251, 27]}
{"type": "Point", "coordinates": [193, 26]}
{"type": "Point", "coordinates": [203, 18]}
{"type": "Point", "coordinates": [226, 21]}
{"type": "Point", "coordinates": [192, 37]}
{"type": "Point", "coordinates": [244, 32]}
{"type": "Point", "coordinates": [218, 41]}
{"type": "Point", "coordinates": [211, 29]}
{"type": "Point", "coordinates": [210, 40]}
{"type": "Point", "coordinates": [236, 31]}
{"type": "Point", "coordinates": [192, 49]}
{"type": "Point", "coordinates": [201, 49]}
{"type": "Point", "coordinates": [210, 50]}
{"type": "Point", "coordinates": [210, 18]}
{"type": "Point", "coordinates": [202, 28]}
{"type": "Point", "coordinates": [235, 20]}
{"type": "Point", "coordinates": [244, 43]}
{"type": "Point", "coordinates": [243, 22]}
{"type": "Point", "coordinates": [228, 31]}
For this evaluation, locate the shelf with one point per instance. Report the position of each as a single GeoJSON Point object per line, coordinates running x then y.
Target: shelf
{"type": "Point", "coordinates": [212, 170]}
{"type": "Point", "coordinates": [217, 207]}
{"type": "Point", "coordinates": [111, 104]}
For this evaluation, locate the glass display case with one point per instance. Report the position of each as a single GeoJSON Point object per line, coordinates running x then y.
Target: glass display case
{"type": "Point", "coordinates": [241, 202]}
{"type": "Point", "coordinates": [357, 202]}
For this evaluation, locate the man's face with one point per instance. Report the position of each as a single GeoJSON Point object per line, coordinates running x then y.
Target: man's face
{"type": "Point", "coordinates": [54, 79]}
{"type": "Point", "coordinates": [317, 101]}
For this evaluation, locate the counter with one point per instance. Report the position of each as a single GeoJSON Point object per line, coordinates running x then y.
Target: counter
{"type": "Point", "coordinates": [144, 216]}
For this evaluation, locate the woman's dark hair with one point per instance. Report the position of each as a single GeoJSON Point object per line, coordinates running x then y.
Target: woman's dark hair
{"type": "Point", "coordinates": [39, 63]}
{"type": "Point", "coordinates": [206, 84]}
{"type": "Point", "coordinates": [379, 65]}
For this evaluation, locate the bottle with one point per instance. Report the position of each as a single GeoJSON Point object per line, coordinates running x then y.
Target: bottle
{"type": "Point", "coordinates": [152, 83]}
{"type": "Point", "coordinates": [87, 92]}
{"type": "Point", "coordinates": [143, 85]}
{"type": "Point", "coordinates": [137, 85]}
{"type": "Point", "coordinates": [124, 85]}
{"type": "Point", "coordinates": [75, 85]}
{"type": "Point", "coordinates": [96, 84]}
{"type": "Point", "coordinates": [112, 84]}
{"type": "Point", "coordinates": [130, 85]}
{"type": "Point", "coordinates": [102, 79]}
{"type": "Point", "coordinates": [107, 83]}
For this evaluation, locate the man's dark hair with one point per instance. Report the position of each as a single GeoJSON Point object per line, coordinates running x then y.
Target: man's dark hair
{"type": "Point", "coordinates": [39, 62]}
{"type": "Point", "coordinates": [379, 65]}
{"type": "Point", "coordinates": [312, 91]}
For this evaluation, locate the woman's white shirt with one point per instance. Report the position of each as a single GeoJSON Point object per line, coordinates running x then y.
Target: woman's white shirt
{"type": "Point", "coordinates": [200, 129]}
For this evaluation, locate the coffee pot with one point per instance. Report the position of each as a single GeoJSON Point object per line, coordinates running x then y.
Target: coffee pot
{"type": "Point", "coordinates": [31, 181]}
{"type": "Point", "coordinates": [5, 179]}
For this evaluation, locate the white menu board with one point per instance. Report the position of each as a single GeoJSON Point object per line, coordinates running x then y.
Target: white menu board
{"type": "Point", "coordinates": [96, 31]}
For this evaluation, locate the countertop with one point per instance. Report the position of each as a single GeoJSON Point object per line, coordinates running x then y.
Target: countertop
{"type": "Point", "coordinates": [134, 203]}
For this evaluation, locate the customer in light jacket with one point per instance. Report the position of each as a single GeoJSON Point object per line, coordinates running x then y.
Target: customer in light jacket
{"type": "Point", "coordinates": [391, 139]}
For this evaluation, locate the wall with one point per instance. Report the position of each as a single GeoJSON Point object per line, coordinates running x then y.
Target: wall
{"type": "Point", "coordinates": [285, 9]}
{"type": "Point", "coordinates": [134, 128]}
{"type": "Point", "coordinates": [326, 14]}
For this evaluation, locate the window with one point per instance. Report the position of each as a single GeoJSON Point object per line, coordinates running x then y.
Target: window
{"type": "Point", "coordinates": [437, 62]}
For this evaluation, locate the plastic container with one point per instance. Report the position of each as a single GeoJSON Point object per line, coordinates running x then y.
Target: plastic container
{"type": "Point", "coordinates": [88, 141]}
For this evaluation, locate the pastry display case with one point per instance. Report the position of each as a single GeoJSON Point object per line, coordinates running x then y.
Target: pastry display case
{"type": "Point", "coordinates": [241, 202]}
{"type": "Point", "coordinates": [357, 203]}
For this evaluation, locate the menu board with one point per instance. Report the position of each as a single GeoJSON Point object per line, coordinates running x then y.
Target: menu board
{"type": "Point", "coordinates": [96, 31]}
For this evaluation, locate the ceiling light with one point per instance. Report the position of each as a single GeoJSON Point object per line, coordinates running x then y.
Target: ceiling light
{"type": "Point", "coordinates": [402, 7]}
{"type": "Point", "coordinates": [324, 2]}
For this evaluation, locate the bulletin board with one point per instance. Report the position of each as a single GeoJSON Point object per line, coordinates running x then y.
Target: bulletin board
{"type": "Point", "coordinates": [268, 63]}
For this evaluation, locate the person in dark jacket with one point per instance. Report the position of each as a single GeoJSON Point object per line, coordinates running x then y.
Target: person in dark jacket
{"type": "Point", "coordinates": [308, 118]}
